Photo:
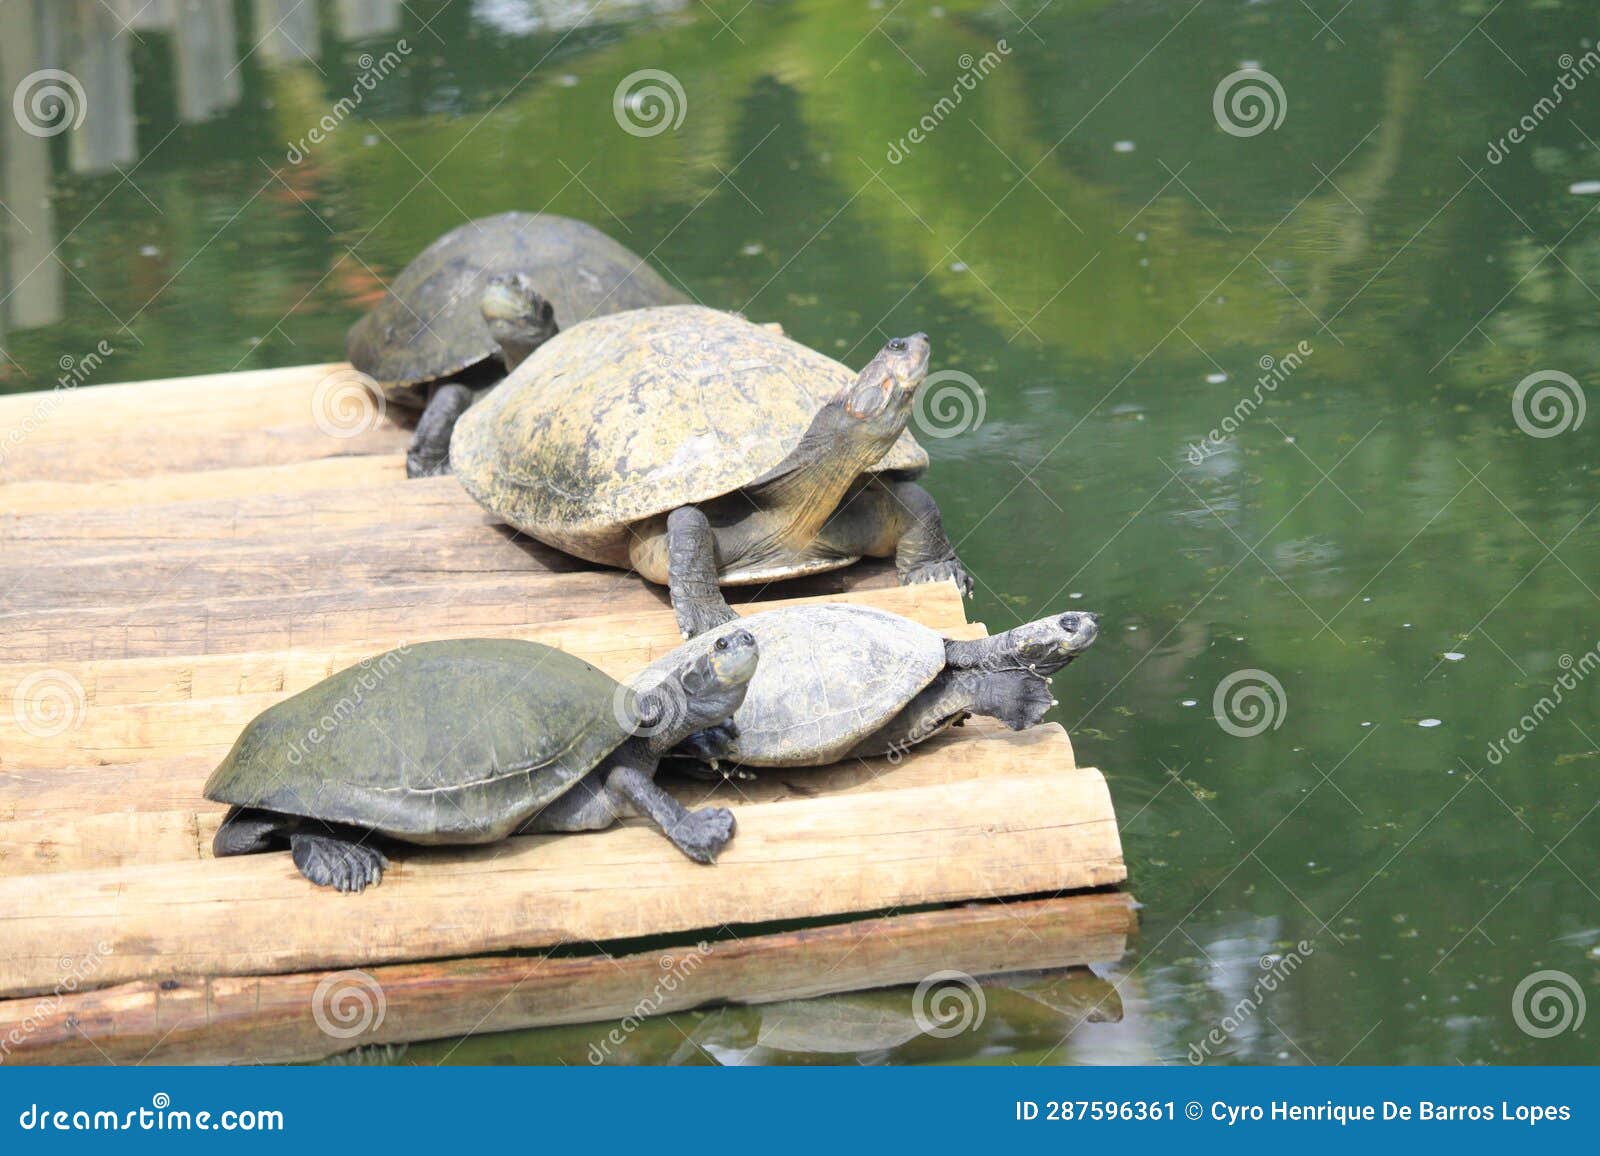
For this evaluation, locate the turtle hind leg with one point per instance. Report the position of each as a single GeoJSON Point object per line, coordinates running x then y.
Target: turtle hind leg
{"type": "Point", "coordinates": [429, 455]}
{"type": "Point", "coordinates": [331, 860]}
{"type": "Point", "coordinates": [248, 831]}
{"type": "Point", "coordinates": [692, 573]}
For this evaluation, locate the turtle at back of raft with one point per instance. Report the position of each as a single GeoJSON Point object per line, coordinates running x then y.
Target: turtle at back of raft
{"type": "Point", "coordinates": [840, 681]}
{"type": "Point", "coordinates": [702, 450]}
{"type": "Point", "coordinates": [475, 303]}
{"type": "Point", "coordinates": [467, 742]}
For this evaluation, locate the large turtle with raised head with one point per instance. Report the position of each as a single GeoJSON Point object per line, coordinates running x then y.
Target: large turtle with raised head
{"type": "Point", "coordinates": [478, 301]}
{"type": "Point", "coordinates": [839, 681]}
{"type": "Point", "coordinates": [469, 741]}
{"type": "Point", "coordinates": [702, 450]}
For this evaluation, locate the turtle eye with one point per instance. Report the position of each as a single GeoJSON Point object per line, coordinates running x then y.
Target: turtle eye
{"type": "Point", "coordinates": [722, 644]}
{"type": "Point", "coordinates": [898, 345]}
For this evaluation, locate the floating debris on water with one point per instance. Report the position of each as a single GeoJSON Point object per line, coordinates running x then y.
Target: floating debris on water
{"type": "Point", "coordinates": [1189, 702]}
{"type": "Point", "coordinates": [1428, 722]}
{"type": "Point", "coordinates": [958, 266]}
{"type": "Point", "coordinates": [1452, 656]}
{"type": "Point", "coordinates": [753, 249]}
{"type": "Point", "coordinates": [1123, 146]}
{"type": "Point", "coordinates": [1216, 378]}
{"type": "Point", "coordinates": [1585, 188]}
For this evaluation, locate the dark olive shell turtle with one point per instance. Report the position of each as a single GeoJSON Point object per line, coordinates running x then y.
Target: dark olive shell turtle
{"type": "Point", "coordinates": [467, 741]}
{"type": "Point", "coordinates": [703, 450]}
{"type": "Point", "coordinates": [481, 298]}
{"type": "Point", "coordinates": [838, 680]}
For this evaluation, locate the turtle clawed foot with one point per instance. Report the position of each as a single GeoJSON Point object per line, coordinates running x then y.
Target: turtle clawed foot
{"type": "Point", "coordinates": [947, 570]}
{"type": "Point", "coordinates": [695, 618]}
{"type": "Point", "coordinates": [704, 833]}
{"type": "Point", "coordinates": [338, 863]}
{"type": "Point", "coordinates": [1020, 700]}
{"type": "Point", "coordinates": [420, 465]}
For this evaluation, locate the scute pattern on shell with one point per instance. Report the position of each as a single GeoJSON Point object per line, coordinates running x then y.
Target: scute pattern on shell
{"type": "Point", "coordinates": [629, 416]}
{"type": "Point", "coordinates": [829, 677]}
{"type": "Point", "coordinates": [429, 325]}
{"type": "Point", "coordinates": [438, 742]}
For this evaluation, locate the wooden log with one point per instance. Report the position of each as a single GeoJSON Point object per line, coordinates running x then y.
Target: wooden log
{"type": "Point", "coordinates": [273, 1019]}
{"type": "Point", "coordinates": [154, 812]}
{"type": "Point", "coordinates": [124, 710]}
{"type": "Point", "coordinates": [266, 417]}
{"type": "Point", "coordinates": [67, 495]}
{"type": "Point", "coordinates": [396, 506]}
{"type": "Point", "coordinates": [377, 617]}
{"type": "Point", "coordinates": [995, 836]}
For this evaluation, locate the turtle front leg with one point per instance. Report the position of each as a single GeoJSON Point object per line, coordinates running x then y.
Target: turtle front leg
{"type": "Point", "coordinates": [901, 518]}
{"type": "Point", "coordinates": [701, 834]}
{"type": "Point", "coordinates": [692, 573]}
{"type": "Point", "coordinates": [429, 455]}
{"type": "Point", "coordinates": [1018, 699]}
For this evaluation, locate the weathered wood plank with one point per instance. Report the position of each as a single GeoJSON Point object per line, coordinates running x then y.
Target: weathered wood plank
{"type": "Point", "coordinates": [273, 1019]}
{"type": "Point", "coordinates": [124, 710]}
{"type": "Point", "coordinates": [84, 818]}
{"type": "Point", "coordinates": [53, 498]}
{"type": "Point", "coordinates": [993, 837]}
{"type": "Point", "coordinates": [377, 617]}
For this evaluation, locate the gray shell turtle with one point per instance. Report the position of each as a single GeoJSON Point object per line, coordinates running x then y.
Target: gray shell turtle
{"type": "Point", "coordinates": [475, 303]}
{"type": "Point", "coordinates": [841, 680]}
{"type": "Point", "coordinates": [462, 742]}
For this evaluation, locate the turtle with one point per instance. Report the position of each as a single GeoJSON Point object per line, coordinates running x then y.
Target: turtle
{"type": "Point", "coordinates": [702, 450]}
{"type": "Point", "coordinates": [841, 680]}
{"type": "Point", "coordinates": [468, 741]}
{"type": "Point", "coordinates": [477, 301]}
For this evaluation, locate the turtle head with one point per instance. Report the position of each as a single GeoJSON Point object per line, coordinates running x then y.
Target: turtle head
{"type": "Point", "coordinates": [714, 684]}
{"type": "Point", "coordinates": [1047, 645]}
{"type": "Point", "coordinates": [880, 399]}
{"type": "Point", "coordinates": [519, 318]}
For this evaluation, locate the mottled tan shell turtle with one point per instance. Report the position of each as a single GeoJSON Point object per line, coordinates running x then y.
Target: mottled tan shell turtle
{"type": "Point", "coordinates": [475, 303]}
{"type": "Point", "coordinates": [702, 450]}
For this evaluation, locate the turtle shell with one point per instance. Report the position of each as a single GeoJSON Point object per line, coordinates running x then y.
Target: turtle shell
{"type": "Point", "coordinates": [829, 677]}
{"type": "Point", "coordinates": [442, 742]}
{"type": "Point", "coordinates": [626, 417]}
{"type": "Point", "coordinates": [429, 325]}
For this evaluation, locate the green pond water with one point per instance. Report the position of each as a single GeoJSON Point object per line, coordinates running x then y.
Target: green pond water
{"type": "Point", "coordinates": [1385, 540]}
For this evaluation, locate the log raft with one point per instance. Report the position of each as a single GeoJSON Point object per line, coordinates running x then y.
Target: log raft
{"type": "Point", "coordinates": [179, 555]}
